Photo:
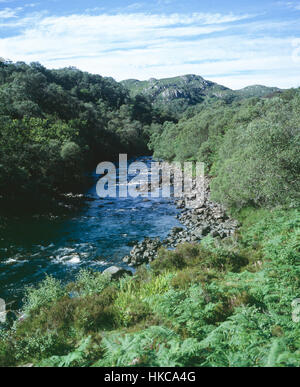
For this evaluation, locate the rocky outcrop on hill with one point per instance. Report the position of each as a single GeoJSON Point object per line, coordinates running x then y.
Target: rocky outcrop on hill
{"type": "Point", "coordinates": [191, 89]}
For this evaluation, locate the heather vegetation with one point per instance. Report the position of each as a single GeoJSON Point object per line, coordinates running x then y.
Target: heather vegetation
{"type": "Point", "coordinates": [218, 303]}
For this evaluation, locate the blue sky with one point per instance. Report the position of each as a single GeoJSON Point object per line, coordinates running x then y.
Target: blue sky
{"type": "Point", "coordinates": [235, 43]}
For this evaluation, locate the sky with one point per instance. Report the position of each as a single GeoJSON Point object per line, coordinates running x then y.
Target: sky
{"type": "Point", "coordinates": [236, 43]}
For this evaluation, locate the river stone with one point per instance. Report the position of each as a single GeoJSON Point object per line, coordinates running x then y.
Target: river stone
{"type": "Point", "coordinates": [116, 272]}
{"type": "Point", "coordinates": [177, 230]}
{"type": "Point", "coordinates": [127, 259]}
{"type": "Point", "coordinates": [180, 204]}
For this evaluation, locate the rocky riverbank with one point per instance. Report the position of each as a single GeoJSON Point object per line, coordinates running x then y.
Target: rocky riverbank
{"type": "Point", "coordinates": [204, 218]}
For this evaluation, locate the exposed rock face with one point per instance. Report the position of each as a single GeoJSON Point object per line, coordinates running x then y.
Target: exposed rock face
{"type": "Point", "coordinates": [116, 272]}
{"type": "Point", "coordinates": [191, 89]}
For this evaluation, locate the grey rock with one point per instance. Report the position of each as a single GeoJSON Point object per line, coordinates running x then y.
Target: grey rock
{"type": "Point", "coordinates": [116, 272]}
{"type": "Point", "coordinates": [177, 230]}
{"type": "Point", "coordinates": [127, 259]}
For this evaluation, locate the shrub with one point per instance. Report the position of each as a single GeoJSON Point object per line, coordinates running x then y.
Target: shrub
{"type": "Point", "coordinates": [40, 345]}
{"type": "Point", "coordinates": [48, 291]}
{"type": "Point", "coordinates": [70, 152]}
{"type": "Point", "coordinates": [189, 255]}
{"type": "Point", "coordinates": [89, 283]}
{"type": "Point", "coordinates": [7, 354]}
{"type": "Point", "coordinates": [259, 163]}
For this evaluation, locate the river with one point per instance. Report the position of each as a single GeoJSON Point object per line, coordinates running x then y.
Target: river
{"type": "Point", "coordinates": [96, 236]}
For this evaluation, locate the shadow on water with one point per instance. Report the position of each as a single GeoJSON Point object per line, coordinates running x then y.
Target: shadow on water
{"type": "Point", "coordinates": [98, 235]}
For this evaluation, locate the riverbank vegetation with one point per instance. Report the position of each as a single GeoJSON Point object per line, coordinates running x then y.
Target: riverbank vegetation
{"type": "Point", "coordinates": [57, 124]}
{"type": "Point", "coordinates": [250, 148]}
{"type": "Point", "coordinates": [218, 303]}
{"type": "Point", "coordinates": [223, 302]}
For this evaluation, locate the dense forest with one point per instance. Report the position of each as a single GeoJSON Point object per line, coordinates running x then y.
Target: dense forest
{"type": "Point", "coordinates": [58, 124]}
{"type": "Point", "coordinates": [249, 147]}
{"type": "Point", "coordinates": [220, 302]}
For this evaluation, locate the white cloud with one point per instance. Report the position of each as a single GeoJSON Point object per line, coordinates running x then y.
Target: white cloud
{"type": "Point", "coordinates": [83, 34]}
{"type": "Point", "coordinates": [290, 4]}
{"type": "Point", "coordinates": [143, 46]}
{"type": "Point", "coordinates": [8, 13]}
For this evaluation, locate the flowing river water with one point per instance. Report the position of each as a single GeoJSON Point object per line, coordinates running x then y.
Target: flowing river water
{"type": "Point", "coordinates": [96, 236]}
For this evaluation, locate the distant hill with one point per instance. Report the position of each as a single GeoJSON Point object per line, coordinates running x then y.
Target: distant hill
{"type": "Point", "coordinates": [180, 92]}
{"type": "Point", "coordinates": [192, 88]}
{"type": "Point", "coordinates": [257, 91]}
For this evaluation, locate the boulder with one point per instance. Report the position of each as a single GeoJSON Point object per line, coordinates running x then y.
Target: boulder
{"type": "Point", "coordinates": [116, 272]}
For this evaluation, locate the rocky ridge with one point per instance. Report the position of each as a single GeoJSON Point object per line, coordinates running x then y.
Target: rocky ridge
{"type": "Point", "coordinates": [190, 88]}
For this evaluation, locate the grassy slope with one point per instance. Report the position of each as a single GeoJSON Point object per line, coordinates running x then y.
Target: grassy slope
{"type": "Point", "coordinates": [214, 304]}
